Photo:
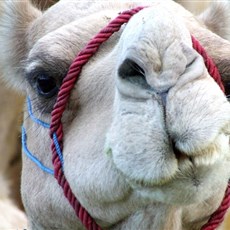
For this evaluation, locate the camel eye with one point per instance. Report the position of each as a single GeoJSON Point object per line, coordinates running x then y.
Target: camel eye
{"type": "Point", "coordinates": [46, 86]}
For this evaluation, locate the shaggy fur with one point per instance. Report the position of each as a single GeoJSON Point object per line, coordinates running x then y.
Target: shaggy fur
{"type": "Point", "coordinates": [10, 164]}
{"type": "Point", "coordinates": [123, 124]}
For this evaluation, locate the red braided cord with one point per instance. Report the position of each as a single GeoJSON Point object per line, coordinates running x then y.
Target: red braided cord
{"type": "Point", "coordinates": [212, 69]}
{"type": "Point", "coordinates": [62, 99]}
{"type": "Point", "coordinates": [218, 216]}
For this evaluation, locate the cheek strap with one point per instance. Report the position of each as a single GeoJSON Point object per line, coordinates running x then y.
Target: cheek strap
{"type": "Point", "coordinates": [25, 149]}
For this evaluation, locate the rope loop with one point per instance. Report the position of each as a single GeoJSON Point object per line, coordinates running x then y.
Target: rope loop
{"type": "Point", "coordinates": [62, 99]}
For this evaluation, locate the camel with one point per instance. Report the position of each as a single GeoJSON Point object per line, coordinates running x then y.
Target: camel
{"type": "Point", "coordinates": [146, 128]}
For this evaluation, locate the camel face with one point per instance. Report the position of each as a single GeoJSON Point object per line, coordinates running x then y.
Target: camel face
{"type": "Point", "coordinates": [165, 122]}
{"type": "Point", "coordinates": [146, 127]}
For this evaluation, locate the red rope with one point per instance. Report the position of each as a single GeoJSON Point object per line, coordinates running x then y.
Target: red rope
{"type": "Point", "coordinates": [63, 97]}
{"type": "Point", "coordinates": [218, 216]}
{"type": "Point", "coordinates": [211, 67]}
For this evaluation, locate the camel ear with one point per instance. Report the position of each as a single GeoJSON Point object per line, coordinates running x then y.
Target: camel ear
{"type": "Point", "coordinates": [16, 18]}
{"type": "Point", "coordinates": [217, 18]}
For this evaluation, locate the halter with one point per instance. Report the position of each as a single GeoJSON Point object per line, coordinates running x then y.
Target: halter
{"type": "Point", "coordinates": [56, 130]}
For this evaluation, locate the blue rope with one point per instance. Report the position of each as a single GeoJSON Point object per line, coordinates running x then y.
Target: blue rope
{"type": "Point", "coordinates": [55, 139]}
{"type": "Point", "coordinates": [58, 149]}
{"type": "Point", "coordinates": [30, 155]}
{"type": "Point", "coordinates": [33, 118]}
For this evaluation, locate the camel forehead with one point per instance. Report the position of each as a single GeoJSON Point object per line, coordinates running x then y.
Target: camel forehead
{"type": "Point", "coordinates": [73, 19]}
{"type": "Point", "coordinates": [159, 24]}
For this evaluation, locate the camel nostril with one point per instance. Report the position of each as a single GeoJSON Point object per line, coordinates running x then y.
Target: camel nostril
{"type": "Point", "coordinates": [131, 71]}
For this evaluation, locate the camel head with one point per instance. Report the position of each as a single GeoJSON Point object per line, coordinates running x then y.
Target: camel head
{"type": "Point", "coordinates": [146, 127]}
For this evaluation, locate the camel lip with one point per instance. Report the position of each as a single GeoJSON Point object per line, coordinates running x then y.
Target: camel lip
{"type": "Point", "coordinates": [178, 154]}
{"type": "Point", "coordinates": [142, 184]}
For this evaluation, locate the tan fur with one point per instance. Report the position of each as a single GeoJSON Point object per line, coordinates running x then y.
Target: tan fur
{"type": "Point", "coordinates": [10, 165]}
{"type": "Point", "coordinates": [194, 6]}
{"type": "Point", "coordinates": [11, 217]}
{"type": "Point", "coordinates": [212, 16]}
{"type": "Point", "coordinates": [118, 153]}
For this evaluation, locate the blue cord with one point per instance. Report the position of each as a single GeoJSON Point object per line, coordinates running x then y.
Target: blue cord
{"type": "Point", "coordinates": [33, 118]}
{"type": "Point", "coordinates": [24, 141]}
{"type": "Point", "coordinates": [30, 155]}
{"type": "Point", "coordinates": [58, 149]}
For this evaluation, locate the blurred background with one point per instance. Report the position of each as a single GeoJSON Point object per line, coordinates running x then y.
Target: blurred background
{"type": "Point", "coordinates": [194, 6]}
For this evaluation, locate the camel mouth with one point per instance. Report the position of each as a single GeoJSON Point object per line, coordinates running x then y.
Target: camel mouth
{"type": "Point", "coordinates": [180, 155]}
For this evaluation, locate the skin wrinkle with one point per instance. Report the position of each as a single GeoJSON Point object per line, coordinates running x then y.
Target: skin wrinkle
{"type": "Point", "coordinates": [135, 187]}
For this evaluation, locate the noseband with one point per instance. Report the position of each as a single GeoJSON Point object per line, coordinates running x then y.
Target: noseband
{"type": "Point", "coordinates": [56, 128]}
